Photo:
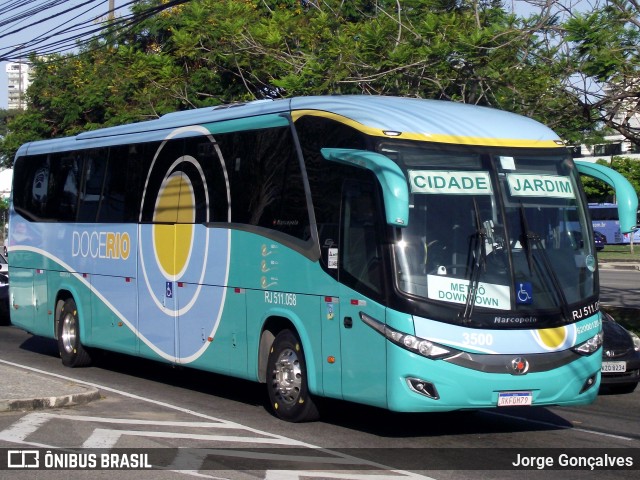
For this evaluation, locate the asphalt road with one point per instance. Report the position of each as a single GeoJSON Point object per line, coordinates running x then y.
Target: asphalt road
{"type": "Point", "coordinates": [620, 288]}
{"type": "Point", "coordinates": [149, 405]}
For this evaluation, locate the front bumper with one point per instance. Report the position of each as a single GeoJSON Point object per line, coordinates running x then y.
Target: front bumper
{"type": "Point", "coordinates": [458, 387]}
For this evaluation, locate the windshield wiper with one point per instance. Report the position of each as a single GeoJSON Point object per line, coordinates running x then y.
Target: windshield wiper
{"type": "Point", "coordinates": [531, 239]}
{"type": "Point", "coordinates": [479, 259]}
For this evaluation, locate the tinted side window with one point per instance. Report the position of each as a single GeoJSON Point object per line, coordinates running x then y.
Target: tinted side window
{"type": "Point", "coordinates": [325, 177]}
{"type": "Point", "coordinates": [164, 156]}
{"type": "Point", "coordinates": [92, 185]}
{"type": "Point", "coordinates": [96, 163]}
{"type": "Point", "coordinates": [65, 177]}
{"type": "Point", "coordinates": [208, 180]}
{"type": "Point", "coordinates": [183, 181]}
{"type": "Point", "coordinates": [360, 249]}
{"type": "Point", "coordinates": [123, 184]}
{"type": "Point", "coordinates": [31, 186]}
{"type": "Point", "coordinates": [266, 182]}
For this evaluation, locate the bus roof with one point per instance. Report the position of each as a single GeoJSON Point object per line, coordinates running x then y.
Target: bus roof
{"type": "Point", "coordinates": [409, 118]}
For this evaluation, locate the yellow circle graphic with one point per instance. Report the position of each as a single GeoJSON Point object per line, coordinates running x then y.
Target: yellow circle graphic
{"type": "Point", "coordinates": [553, 337]}
{"type": "Point", "coordinates": [176, 208]}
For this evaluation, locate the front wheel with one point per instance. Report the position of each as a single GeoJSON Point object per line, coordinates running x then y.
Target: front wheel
{"type": "Point", "coordinates": [287, 380]}
{"type": "Point", "coordinates": [72, 352]}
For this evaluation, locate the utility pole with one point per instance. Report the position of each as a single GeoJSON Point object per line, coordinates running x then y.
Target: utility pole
{"type": "Point", "coordinates": [112, 6]}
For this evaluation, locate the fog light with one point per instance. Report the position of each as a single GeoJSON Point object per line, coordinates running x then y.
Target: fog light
{"type": "Point", "coordinates": [423, 387]}
{"type": "Point", "coordinates": [590, 382]}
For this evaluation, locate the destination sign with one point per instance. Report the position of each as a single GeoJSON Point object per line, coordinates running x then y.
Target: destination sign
{"type": "Point", "coordinates": [454, 290]}
{"type": "Point", "coordinates": [450, 182]}
{"type": "Point", "coordinates": [540, 186]}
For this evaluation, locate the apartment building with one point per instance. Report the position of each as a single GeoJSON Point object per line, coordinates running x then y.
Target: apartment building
{"type": "Point", "coordinates": [18, 80]}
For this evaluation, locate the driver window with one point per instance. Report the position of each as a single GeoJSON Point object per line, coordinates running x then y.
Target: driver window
{"type": "Point", "coordinates": [361, 257]}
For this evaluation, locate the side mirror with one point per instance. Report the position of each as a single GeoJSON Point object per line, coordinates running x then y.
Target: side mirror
{"type": "Point", "coordinates": [393, 182]}
{"type": "Point", "coordinates": [626, 194]}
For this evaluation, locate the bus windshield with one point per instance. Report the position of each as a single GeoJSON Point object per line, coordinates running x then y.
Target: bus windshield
{"type": "Point", "coordinates": [493, 232]}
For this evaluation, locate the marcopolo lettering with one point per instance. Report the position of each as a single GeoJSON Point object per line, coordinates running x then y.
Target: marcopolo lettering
{"type": "Point", "coordinates": [108, 245]}
{"type": "Point", "coordinates": [540, 186]}
{"type": "Point", "coordinates": [450, 182]}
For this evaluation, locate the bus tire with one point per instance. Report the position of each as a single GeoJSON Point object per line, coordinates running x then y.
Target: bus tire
{"type": "Point", "coordinates": [72, 352]}
{"type": "Point", "coordinates": [289, 395]}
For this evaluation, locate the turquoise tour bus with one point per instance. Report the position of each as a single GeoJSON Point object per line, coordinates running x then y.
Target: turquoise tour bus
{"type": "Point", "coordinates": [409, 254]}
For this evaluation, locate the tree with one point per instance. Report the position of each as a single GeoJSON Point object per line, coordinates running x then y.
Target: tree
{"type": "Point", "coordinates": [209, 52]}
{"type": "Point", "coordinates": [597, 191]}
{"type": "Point", "coordinates": [600, 192]}
{"type": "Point", "coordinates": [605, 54]}
{"type": "Point", "coordinates": [5, 117]}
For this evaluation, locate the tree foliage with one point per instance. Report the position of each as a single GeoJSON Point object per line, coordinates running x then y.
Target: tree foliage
{"type": "Point", "coordinates": [604, 53]}
{"type": "Point", "coordinates": [600, 192]}
{"type": "Point", "coordinates": [207, 52]}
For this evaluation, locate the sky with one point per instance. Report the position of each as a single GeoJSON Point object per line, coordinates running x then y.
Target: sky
{"type": "Point", "coordinates": [46, 26]}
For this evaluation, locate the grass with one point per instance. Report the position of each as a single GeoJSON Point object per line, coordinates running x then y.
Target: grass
{"type": "Point", "coordinates": [619, 253]}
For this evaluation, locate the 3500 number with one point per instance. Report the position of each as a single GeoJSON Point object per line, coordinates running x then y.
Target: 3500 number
{"type": "Point", "coordinates": [477, 339]}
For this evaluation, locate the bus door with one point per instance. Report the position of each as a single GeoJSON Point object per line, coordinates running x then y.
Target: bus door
{"type": "Point", "coordinates": [363, 350]}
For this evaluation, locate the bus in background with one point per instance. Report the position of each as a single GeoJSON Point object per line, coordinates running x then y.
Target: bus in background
{"type": "Point", "coordinates": [410, 254]}
{"type": "Point", "coordinates": [604, 219]}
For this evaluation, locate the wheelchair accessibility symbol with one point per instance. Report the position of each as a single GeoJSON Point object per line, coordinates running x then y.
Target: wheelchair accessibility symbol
{"type": "Point", "coordinates": [525, 293]}
{"type": "Point", "coordinates": [169, 290]}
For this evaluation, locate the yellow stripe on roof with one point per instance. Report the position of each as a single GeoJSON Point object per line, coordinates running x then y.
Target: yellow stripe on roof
{"type": "Point", "coordinates": [431, 137]}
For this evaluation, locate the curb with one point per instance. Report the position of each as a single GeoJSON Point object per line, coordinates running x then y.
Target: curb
{"type": "Point", "coordinates": [618, 266]}
{"type": "Point", "coordinates": [78, 398]}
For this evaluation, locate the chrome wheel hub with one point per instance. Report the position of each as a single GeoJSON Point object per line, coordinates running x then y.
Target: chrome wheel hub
{"type": "Point", "coordinates": [68, 333]}
{"type": "Point", "coordinates": [287, 376]}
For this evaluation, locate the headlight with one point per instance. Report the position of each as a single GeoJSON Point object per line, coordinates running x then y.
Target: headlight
{"type": "Point", "coordinates": [636, 341]}
{"type": "Point", "coordinates": [412, 343]}
{"type": "Point", "coordinates": [590, 346]}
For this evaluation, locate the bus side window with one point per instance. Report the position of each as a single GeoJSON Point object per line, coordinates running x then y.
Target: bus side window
{"type": "Point", "coordinates": [361, 257]}
{"type": "Point", "coordinates": [66, 176]}
{"type": "Point", "coordinates": [93, 183]}
{"type": "Point", "coordinates": [31, 186]}
{"type": "Point", "coordinates": [266, 181]}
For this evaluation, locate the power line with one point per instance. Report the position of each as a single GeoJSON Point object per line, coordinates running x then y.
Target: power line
{"type": "Point", "coordinates": [22, 49]}
{"type": "Point", "coordinates": [72, 34]}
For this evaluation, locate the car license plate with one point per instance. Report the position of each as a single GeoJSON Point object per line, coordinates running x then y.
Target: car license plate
{"type": "Point", "coordinates": [608, 367]}
{"type": "Point", "coordinates": [514, 399]}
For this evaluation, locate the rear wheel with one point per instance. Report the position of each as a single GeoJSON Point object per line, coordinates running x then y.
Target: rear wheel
{"type": "Point", "coordinates": [72, 351]}
{"type": "Point", "coordinates": [287, 380]}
